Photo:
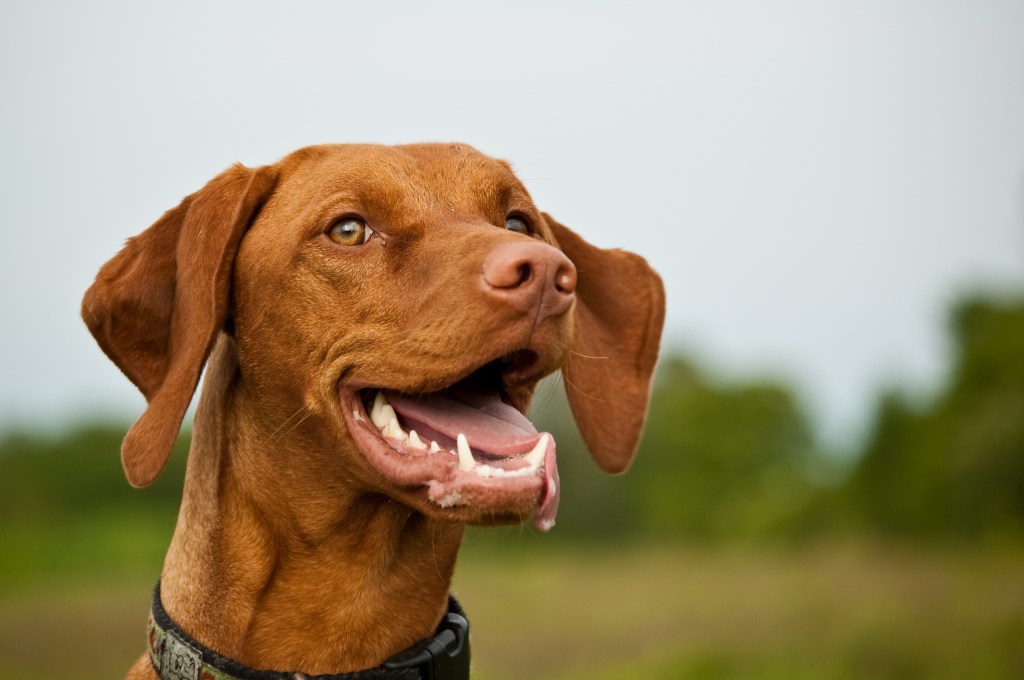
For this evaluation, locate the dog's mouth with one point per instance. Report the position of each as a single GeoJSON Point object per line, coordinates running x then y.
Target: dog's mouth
{"type": "Point", "coordinates": [475, 453]}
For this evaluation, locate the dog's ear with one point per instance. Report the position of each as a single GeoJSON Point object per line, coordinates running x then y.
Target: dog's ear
{"type": "Point", "coordinates": [156, 308]}
{"type": "Point", "coordinates": [620, 310]}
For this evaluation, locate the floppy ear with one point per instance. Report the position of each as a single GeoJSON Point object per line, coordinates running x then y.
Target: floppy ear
{"type": "Point", "coordinates": [156, 308]}
{"type": "Point", "coordinates": [620, 310]}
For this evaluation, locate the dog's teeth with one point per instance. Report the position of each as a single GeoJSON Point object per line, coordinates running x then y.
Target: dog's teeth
{"type": "Point", "coordinates": [378, 413]}
{"type": "Point", "coordinates": [536, 456]}
{"type": "Point", "coordinates": [434, 448]}
{"type": "Point", "coordinates": [466, 461]}
{"type": "Point", "coordinates": [415, 442]}
{"type": "Point", "coordinates": [386, 415]}
{"type": "Point", "coordinates": [393, 429]}
{"type": "Point", "coordinates": [486, 471]}
{"type": "Point", "coordinates": [378, 401]}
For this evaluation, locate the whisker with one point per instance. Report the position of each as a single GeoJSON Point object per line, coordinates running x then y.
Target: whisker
{"type": "Point", "coordinates": [578, 390]}
{"type": "Point", "coordinates": [584, 356]}
{"type": "Point", "coordinates": [286, 421]}
{"type": "Point", "coordinates": [549, 390]}
{"type": "Point", "coordinates": [433, 550]}
{"type": "Point", "coordinates": [297, 423]}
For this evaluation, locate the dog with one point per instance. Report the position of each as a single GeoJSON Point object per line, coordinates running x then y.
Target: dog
{"type": "Point", "coordinates": [373, 322]}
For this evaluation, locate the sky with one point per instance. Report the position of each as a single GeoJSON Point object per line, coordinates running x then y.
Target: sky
{"type": "Point", "coordinates": [815, 182]}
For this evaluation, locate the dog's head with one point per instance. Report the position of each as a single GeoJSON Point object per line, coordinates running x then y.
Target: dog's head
{"type": "Point", "coordinates": [373, 292]}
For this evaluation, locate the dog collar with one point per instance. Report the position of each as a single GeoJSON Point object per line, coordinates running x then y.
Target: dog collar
{"type": "Point", "coordinates": [177, 656]}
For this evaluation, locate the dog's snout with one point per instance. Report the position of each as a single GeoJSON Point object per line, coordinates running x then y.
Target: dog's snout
{"type": "Point", "coordinates": [528, 275]}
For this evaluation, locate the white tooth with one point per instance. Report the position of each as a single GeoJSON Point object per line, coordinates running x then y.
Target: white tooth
{"type": "Point", "coordinates": [393, 429]}
{"type": "Point", "coordinates": [377, 411]}
{"type": "Point", "coordinates": [415, 442]}
{"type": "Point", "coordinates": [434, 448]}
{"type": "Point", "coordinates": [358, 416]}
{"type": "Point", "coordinates": [488, 471]}
{"type": "Point", "coordinates": [535, 457]}
{"type": "Point", "coordinates": [466, 461]}
{"type": "Point", "coordinates": [386, 415]}
{"type": "Point", "coordinates": [378, 401]}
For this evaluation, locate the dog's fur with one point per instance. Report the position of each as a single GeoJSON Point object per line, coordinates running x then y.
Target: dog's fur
{"type": "Point", "coordinates": [294, 550]}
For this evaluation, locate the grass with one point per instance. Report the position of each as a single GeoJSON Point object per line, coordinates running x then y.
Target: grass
{"type": "Point", "coordinates": [550, 612]}
{"type": "Point", "coordinates": [825, 612]}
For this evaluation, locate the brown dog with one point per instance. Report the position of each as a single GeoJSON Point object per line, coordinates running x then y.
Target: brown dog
{"type": "Point", "coordinates": [345, 296]}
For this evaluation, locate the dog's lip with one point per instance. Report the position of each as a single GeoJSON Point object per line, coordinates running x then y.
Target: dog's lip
{"type": "Point", "coordinates": [514, 485]}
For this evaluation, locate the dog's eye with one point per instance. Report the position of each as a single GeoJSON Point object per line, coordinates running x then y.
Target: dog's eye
{"type": "Point", "coordinates": [349, 231]}
{"type": "Point", "coordinates": [517, 224]}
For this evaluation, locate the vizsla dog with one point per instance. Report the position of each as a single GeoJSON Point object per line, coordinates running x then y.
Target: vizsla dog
{"type": "Point", "coordinates": [373, 322]}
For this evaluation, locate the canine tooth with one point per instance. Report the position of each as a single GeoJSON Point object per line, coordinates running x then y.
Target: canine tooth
{"type": "Point", "coordinates": [381, 412]}
{"type": "Point", "coordinates": [434, 448]}
{"type": "Point", "coordinates": [466, 461]}
{"type": "Point", "coordinates": [415, 442]}
{"type": "Point", "coordinates": [386, 415]}
{"type": "Point", "coordinates": [378, 401]}
{"type": "Point", "coordinates": [393, 429]}
{"type": "Point", "coordinates": [536, 456]}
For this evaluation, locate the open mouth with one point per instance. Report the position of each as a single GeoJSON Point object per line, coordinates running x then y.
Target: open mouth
{"type": "Point", "coordinates": [466, 444]}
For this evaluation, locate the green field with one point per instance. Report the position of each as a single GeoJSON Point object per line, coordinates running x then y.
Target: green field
{"type": "Point", "coordinates": [843, 611]}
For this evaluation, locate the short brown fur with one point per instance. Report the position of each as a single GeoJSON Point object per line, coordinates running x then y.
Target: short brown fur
{"type": "Point", "coordinates": [285, 528]}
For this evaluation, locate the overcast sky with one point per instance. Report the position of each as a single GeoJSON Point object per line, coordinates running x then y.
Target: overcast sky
{"type": "Point", "coordinates": [816, 182]}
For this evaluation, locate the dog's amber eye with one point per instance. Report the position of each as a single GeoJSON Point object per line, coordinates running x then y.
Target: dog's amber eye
{"type": "Point", "coordinates": [349, 231]}
{"type": "Point", "coordinates": [517, 224]}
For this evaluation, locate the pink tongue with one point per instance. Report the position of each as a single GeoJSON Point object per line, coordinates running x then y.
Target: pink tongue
{"type": "Point", "coordinates": [489, 424]}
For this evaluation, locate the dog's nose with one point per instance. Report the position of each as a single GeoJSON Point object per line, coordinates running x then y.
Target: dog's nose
{"type": "Point", "coordinates": [528, 275]}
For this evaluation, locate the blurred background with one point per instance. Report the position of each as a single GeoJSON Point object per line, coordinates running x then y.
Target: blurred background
{"type": "Point", "coordinates": [832, 480]}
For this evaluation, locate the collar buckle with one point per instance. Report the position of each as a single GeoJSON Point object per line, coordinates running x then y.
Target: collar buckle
{"type": "Point", "coordinates": [442, 657]}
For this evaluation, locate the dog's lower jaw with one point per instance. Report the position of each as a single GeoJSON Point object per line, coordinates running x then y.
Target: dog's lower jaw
{"type": "Point", "coordinates": [243, 577]}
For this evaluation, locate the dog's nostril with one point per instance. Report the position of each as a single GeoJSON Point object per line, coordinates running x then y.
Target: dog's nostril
{"type": "Point", "coordinates": [525, 272]}
{"type": "Point", "coordinates": [565, 280]}
{"type": "Point", "coordinates": [508, 274]}
{"type": "Point", "coordinates": [526, 275]}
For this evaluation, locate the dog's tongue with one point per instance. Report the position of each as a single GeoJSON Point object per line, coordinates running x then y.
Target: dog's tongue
{"type": "Point", "coordinates": [489, 424]}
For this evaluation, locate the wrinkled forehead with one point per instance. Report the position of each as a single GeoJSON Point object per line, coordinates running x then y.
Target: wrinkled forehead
{"type": "Point", "coordinates": [453, 178]}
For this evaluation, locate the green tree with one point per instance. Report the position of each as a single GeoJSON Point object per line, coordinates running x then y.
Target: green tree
{"type": "Point", "coordinates": [721, 460]}
{"type": "Point", "coordinates": [955, 467]}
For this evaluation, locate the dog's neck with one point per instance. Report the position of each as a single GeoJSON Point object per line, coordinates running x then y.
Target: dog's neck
{"type": "Point", "coordinates": [277, 564]}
